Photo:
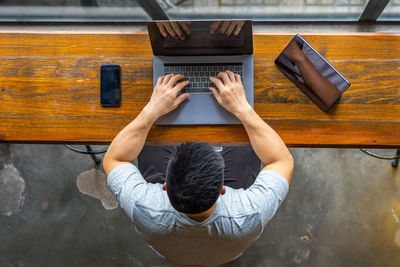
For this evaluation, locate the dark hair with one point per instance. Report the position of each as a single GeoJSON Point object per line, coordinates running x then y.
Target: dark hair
{"type": "Point", "coordinates": [195, 175]}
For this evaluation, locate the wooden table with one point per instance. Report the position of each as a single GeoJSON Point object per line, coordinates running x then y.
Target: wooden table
{"type": "Point", "coordinates": [49, 90]}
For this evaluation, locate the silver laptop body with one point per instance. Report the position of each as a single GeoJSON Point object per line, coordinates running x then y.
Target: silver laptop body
{"type": "Point", "coordinates": [199, 56]}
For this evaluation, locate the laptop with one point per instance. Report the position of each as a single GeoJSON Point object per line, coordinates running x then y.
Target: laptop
{"type": "Point", "coordinates": [198, 56]}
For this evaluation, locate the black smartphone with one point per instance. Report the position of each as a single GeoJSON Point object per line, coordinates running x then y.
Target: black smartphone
{"type": "Point", "coordinates": [110, 85]}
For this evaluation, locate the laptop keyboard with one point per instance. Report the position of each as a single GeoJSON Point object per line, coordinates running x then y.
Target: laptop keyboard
{"type": "Point", "coordinates": [198, 74]}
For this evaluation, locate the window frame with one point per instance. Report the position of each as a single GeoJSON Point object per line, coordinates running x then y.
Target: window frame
{"type": "Point", "coordinates": [154, 11]}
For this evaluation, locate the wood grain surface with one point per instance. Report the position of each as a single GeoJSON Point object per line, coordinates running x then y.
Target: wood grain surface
{"type": "Point", "coordinates": [49, 90]}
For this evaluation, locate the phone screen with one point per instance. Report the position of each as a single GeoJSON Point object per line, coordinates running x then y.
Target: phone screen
{"type": "Point", "coordinates": [110, 85]}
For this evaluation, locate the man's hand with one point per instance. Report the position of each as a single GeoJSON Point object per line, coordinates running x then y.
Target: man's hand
{"type": "Point", "coordinates": [176, 29]}
{"type": "Point", "coordinates": [164, 98]}
{"type": "Point", "coordinates": [231, 93]}
{"type": "Point", "coordinates": [227, 27]}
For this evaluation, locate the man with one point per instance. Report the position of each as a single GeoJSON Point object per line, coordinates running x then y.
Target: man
{"type": "Point", "coordinates": [193, 218]}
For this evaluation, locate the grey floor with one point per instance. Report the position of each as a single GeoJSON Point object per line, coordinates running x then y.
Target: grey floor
{"type": "Point", "coordinates": [343, 209]}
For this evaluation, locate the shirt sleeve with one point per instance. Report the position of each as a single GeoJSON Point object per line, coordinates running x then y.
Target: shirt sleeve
{"type": "Point", "coordinates": [127, 184]}
{"type": "Point", "coordinates": [267, 193]}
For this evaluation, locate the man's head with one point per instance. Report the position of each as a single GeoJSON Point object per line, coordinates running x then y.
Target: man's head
{"type": "Point", "coordinates": [195, 176]}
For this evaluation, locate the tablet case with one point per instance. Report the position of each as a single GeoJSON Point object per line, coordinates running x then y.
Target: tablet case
{"type": "Point", "coordinates": [327, 70]}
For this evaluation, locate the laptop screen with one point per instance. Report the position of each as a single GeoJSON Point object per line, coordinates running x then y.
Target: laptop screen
{"type": "Point", "coordinates": [188, 38]}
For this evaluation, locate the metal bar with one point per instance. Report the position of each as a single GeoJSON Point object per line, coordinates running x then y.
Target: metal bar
{"type": "Point", "coordinates": [373, 10]}
{"type": "Point", "coordinates": [87, 152]}
{"type": "Point", "coordinates": [395, 163]}
{"type": "Point", "coordinates": [379, 156]}
{"type": "Point", "coordinates": [395, 159]}
{"type": "Point", "coordinates": [94, 158]}
{"type": "Point", "coordinates": [88, 3]}
{"type": "Point", "coordinates": [153, 9]}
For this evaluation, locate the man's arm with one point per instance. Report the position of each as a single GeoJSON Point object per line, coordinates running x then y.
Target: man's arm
{"type": "Point", "coordinates": [127, 145]}
{"type": "Point", "coordinates": [312, 77]}
{"type": "Point", "coordinates": [266, 143]}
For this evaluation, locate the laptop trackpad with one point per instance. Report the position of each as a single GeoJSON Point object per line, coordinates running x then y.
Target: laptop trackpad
{"type": "Point", "coordinates": [201, 109]}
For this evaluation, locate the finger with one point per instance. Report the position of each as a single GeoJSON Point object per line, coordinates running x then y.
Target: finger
{"type": "Point", "coordinates": [177, 30]}
{"type": "Point", "coordinates": [175, 79]}
{"type": "Point", "coordinates": [231, 76]}
{"type": "Point", "coordinates": [238, 78]}
{"type": "Point", "coordinates": [177, 88]}
{"type": "Point", "coordinates": [185, 26]}
{"type": "Point", "coordinates": [170, 30]}
{"type": "Point", "coordinates": [224, 77]}
{"type": "Point", "coordinates": [214, 26]}
{"type": "Point", "coordinates": [216, 94]}
{"type": "Point", "coordinates": [239, 27]}
{"type": "Point", "coordinates": [180, 99]}
{"type": "Point", "coordinates": [217, 82]}
{"type": "Point", "coordinates": [224, 26]}
{"type": "Point", "coordinates": [162, 30]}
{"type": "Point", "coordinates": [160, 80]}
{"type": "Point", "coordinates": [167, 78]}
{"type": "Point", "coordinates": [230, 29]}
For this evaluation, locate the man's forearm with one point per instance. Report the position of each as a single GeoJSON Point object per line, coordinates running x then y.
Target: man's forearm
{"type": "Point", "coordinates": [316, 81]}
{"type": "Point", "coordinates": [127, 145]}
{"type": "Point", "coordinates": [266, 143]}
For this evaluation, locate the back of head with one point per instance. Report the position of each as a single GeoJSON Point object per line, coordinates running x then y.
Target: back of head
{"type": "Point", "coordinates": [195, 175]}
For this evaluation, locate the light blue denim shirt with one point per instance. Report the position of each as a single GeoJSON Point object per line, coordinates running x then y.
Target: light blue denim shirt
{"type": "Point", "coordinates": [238, 221]}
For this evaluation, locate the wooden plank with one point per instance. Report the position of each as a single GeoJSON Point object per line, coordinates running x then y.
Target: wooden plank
{"type": "Point", "coordinates": [295, 133]}
{"type": "Point", "coordinates": [266, 45]}
{"type": "Point", "coordinates": [49, 90]}
{"type": "Point", "coordinates": [30, 82]}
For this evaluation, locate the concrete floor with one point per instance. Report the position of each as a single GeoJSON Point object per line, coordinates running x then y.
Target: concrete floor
{"type": "Point", "coordinates": [343, 209]}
